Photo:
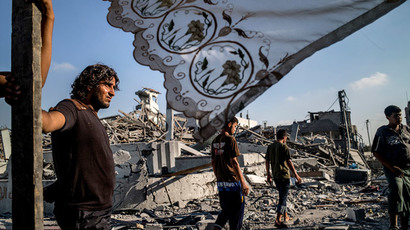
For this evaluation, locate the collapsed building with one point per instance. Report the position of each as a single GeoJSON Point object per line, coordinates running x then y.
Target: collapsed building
{"type": "Point", "coordinates": [164, 179]}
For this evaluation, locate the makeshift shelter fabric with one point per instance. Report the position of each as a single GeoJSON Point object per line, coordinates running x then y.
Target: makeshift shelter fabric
{"type": "Point", "coordinates": [218, 56]}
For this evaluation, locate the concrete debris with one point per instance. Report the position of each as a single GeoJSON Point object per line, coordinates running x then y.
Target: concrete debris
{"type": "Point", "coordinates": [326, 206]}
{"type": "Point", "coordinates": [170, 185]}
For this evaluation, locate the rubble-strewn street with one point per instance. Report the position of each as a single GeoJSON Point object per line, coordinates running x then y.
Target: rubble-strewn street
{"type": "Point", "coordinates": [314, 205]}
{"type": "Point", "coordinates": [320, 205]}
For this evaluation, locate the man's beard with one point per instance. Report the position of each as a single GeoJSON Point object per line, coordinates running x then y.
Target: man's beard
{"type": "Point", "coordinates": [98, 103]}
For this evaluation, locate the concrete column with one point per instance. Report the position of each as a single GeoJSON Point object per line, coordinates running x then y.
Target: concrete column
{"type": "Point", "coordinates": [27, 164]}
{"type": "Point", "coordinates": [170, 124]}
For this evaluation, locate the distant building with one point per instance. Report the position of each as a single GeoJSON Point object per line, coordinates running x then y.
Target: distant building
{"type": "Point", "coordinates": [149, 99]}
{"type": "Point", "coordinates": [328, 124]}
{"type": "Point", "coordinates": [149, 106]}
{"type": "Point", "coordinates": [246, 123]}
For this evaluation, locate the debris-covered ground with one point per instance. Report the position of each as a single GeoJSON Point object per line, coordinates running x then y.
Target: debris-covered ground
{"type": "Point", "coordinates": [315, 205]}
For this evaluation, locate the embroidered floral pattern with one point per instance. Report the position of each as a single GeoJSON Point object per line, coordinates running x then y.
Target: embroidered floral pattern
{"type": "Point", "coordinates": [219, 55]}
{"type": "Point", "coordinates": [147, 8]}
{"type": "Point", "coordinates": [196, 29]}
{"type": "Point", "coordinates": [234, 72]}
{"type": "Point", "coordinates": [197, 32]}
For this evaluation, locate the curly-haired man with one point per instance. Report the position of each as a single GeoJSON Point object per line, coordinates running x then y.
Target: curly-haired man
{"type": "Point", "coordinates": [81, 151]}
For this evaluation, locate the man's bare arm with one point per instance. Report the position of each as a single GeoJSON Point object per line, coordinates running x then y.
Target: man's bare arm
{"type": "Point", "coordinates": [268, 175]}
{"type": "Point", "coordinates": [3, 82]}
{"type": "Point", "coordinates": [52, 121]}
{"type": "Point", "coordinates": [47, 24]}
{"type": "Point", "coordinates": [238, 172]}
{"type": "Point", "coordinates": [292, 168]}
{"type": "Point", "coordinates": [213, 166]}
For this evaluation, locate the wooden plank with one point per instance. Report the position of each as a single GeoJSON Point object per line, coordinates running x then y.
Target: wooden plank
{"type": "Point", "coordinates": [27, 157]}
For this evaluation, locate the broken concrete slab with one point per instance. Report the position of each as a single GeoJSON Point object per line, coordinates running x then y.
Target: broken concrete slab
{"type": "Point", "coordinates": [140, 191]}
{"type": "Point", "coordinates": [251, 148]}
{"type": "Point", "coordinates": [250, 158]}
{"type": "Point", "coordinates": [300, 161]}
{"type": "Point", "coordinates": [121, 156]}
{"type": "Point", "coordinates": [187, 162]}
{"type": "Point", "coordinates": [255, 180]}
{"type": "Point", "coordinates": [318, 175]}
{"type": "Point", "coordinates": [352, 176]}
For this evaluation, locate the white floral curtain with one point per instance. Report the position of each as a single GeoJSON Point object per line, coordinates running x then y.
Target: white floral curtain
{"type": "Point", "coordinates": [218, 56]}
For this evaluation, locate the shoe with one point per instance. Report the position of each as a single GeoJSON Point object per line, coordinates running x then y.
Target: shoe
{"type": "Point", "coordinates": [394, 228]}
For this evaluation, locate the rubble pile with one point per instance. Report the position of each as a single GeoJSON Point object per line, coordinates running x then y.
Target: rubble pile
{"type": "Point", "coordinates": [320, 147]}
{"type": "Point", "coordinates": [313, 205]}
{"type": "Point", "coordinates": [137, 127]}
{"type": "Point", "coordinates": [129, 129]}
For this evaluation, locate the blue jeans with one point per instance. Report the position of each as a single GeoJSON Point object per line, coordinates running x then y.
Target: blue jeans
{"type": "Point", "coordinates": [233, 204]}
{"type": "Point", "coordinates": [283, 186]}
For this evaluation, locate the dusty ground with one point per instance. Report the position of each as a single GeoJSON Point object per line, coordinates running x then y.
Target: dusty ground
{"type": "Point", "coordinates": [311, 207]}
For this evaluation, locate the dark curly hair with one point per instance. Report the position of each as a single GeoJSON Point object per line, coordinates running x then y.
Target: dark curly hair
{"type": "Point", "coordinates": [389, 110]}
{"type": "Point", "coordinates": [90, 78]}
{"type": "Point", "coordinates": [233, 120]}
{"type": "Point", "coordinates": [281, 133]}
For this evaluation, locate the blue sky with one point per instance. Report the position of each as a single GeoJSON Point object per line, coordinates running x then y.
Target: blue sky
{"type": "Point", "coordinates": [372, 66]}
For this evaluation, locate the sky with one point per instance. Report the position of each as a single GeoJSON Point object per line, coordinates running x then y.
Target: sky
{"type": "Point", "coordinates": [372, 65]}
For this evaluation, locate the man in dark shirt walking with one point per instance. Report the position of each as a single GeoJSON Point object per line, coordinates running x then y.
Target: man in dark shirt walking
{"type": "Point", "coordinates": [278, 158]}
{"type": "Point", "coordinates": [391, 146]}
{"type": "Point", "coordinates": [231, 183]}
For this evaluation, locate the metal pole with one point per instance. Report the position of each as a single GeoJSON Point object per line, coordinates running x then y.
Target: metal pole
{"type": "Point", "coordinates": [346, 131]}
{"type": "Point", "coordinates": [27, 157]}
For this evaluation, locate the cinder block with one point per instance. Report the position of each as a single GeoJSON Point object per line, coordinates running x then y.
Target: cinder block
{"type": "Point", "coordinates": [356, 215]}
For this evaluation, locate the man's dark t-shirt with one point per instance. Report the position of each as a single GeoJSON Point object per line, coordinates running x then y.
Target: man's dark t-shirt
{"type": "Point", "coordinates": [224, 147]}
{"type": "Point", "coordinates": [83, 159]}
{"type": "Point", "coordinates": [395, 147]}
{"type": "Point", "coordinates": [278, 154]}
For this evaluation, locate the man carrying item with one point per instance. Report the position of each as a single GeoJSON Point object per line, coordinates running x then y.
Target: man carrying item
{"type": "Point", "coordinates": [82, 155]}
{"type": "Point", "coordinates": [391, 146]}
{"type": "Point", "coordinates": [231, 183]}
{"type": "Point", "coordinates": [278, 157]}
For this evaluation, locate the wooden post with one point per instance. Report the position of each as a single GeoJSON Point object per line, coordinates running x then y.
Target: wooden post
{"type": "Point", "coordinates": [27, 157]}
